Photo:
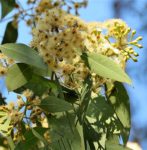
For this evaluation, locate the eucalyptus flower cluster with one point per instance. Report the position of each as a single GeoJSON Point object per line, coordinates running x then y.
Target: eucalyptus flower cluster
{"type": "Point", "coordinates": [60, 37]}
{"type": "Point", "coordinates": [37, 7]}
{"type": "Point", "coordinates": [24, 109]}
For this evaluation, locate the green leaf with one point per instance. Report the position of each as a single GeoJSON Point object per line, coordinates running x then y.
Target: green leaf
{"type": "Point", "coordinates": [90, 133]}
{"type": "Point", "coordinates": [70, 143]}
{"type": "Point", "coordinates": [76, 142]}
{"type": "Point", "coordinates": [24, 54]}
{"type": "Point", "coordinates": [21, 76]}
{"type": "Point", "coordinates": [64, 134]}
{"type": "Point", "coordinates": [80, 131]}
{"type": "Point", "coordinates": [10, 142]}
{"type": "Point", "coordinates": [30, 139]}
{"type": "Point", "coordinates": [119, 100]}
{"type": "Point", "coordinates": [99, 106]}
{"type": "Point", "coordinates": [11, 34]}
{"type": "Point", "coordinates": [103, 114]}
{"type": "Point", "coordinates": [53, 104]}
{"type": "Point", "coordinates": [17, 76]}
{"type": "Point", "coordinates": [113, 143]}
{"type": "Point", "coordinates": [70, 95]}
{"type": "Point", "coordinates": [105, 67]}
{"type": "Point", "coordinates": [39, 86]}
{"type": "Point", "coordinates": [42, 72]}
{"type": "Point", "coordinates": [7, 6]}
{"type": "Point", "coordinates": [84, 99]}
{"type": "Point", "coordinates": [40, 137]}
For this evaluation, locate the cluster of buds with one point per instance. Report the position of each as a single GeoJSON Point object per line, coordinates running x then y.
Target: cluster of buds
{"type": "Point", "coordinates": [130, 53]}
{"type": "Point", "coordinates": [123, 38]}
{"type": "Point", "coordinates": [117, 29]}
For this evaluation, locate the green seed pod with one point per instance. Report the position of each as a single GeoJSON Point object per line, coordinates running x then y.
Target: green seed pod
{"type": "Point", "coordinates": [125, 53]}
{"type": "Point", "coordinates": [135, 59]}
{"type": "Point", "coordinates": [127, 57]}
{"type": "Point", "coordinates": [139, 38]}
{"type": "Point", "coordinates": [133, 32]}
{"type": "Point", "coordinates": [136, 54]}
{"type": "Point", "coordinates": [131, 51]}
{"type": "Point", "coordinates": [139, 45]}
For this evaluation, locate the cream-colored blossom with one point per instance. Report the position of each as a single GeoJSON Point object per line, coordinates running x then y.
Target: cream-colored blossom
{"type": "Point", "coordinates": [59, 35]}
{"type": "Point", "coordinates": [27, 93]}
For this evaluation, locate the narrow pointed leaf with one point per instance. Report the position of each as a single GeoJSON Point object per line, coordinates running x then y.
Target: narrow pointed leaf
{"type": "Point", "coordinates": [39, 136]}
{"type": "Point", "coordinates": [11, 34]}
{"type": "Point", "coordinates": [119, 100]}
{"type": "Point", "coordinates": [105, 67]}
{"type": "Point", "coordinates": [24, 54]}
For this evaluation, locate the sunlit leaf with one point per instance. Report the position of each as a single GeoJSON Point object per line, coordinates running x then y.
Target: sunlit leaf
{"type": "Point", "coordinates": [17, 76]}
{"type": "Point", "coordinates": [99, 106]}
{"type": "Point", "coordinates": [39, 86]}
{"type": "Point", "coordinates": [119, 100]}
{"type": "Point", "coordinates": [104, 119]}
{"type": "Point", "coordinates": [24, 54]}
{"type": "Point", "coordinates": [105, 67]}
{"type": "Point", "coordinates": [113, 143]}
